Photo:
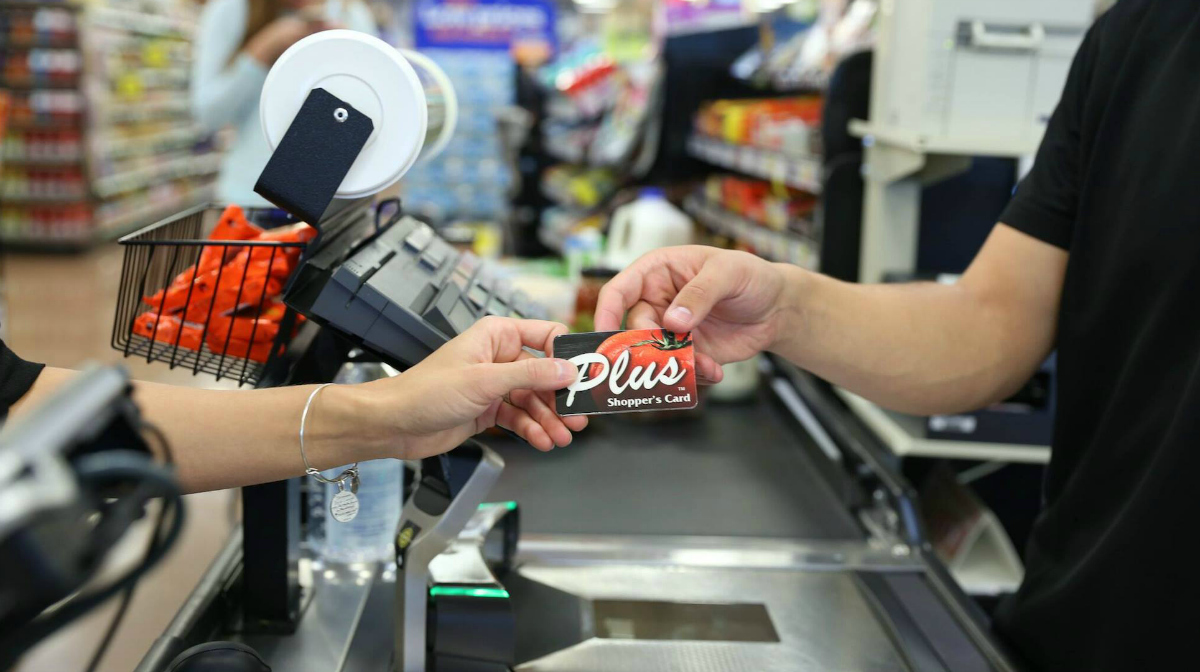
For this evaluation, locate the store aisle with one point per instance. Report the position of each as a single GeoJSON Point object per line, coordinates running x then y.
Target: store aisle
{"type": "Point", "coordinates": [59, 310]}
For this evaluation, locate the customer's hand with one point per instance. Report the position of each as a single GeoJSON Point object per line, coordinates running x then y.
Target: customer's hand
{"type": "Point", "coordinates": [268, 44]}
{"type": "Point", "coordinates": [730, 301]}
{"type": "Point", "coordinates": [480, 379]}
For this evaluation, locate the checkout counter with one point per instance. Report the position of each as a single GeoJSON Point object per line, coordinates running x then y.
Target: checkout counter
{"type": "Point", "coordinates": [765, 536]}
{"type": "Point", "coordinates": [730, 541]}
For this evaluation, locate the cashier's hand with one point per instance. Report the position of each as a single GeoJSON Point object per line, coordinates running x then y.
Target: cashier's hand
{"type": "Point", "coordinates": [728, 300]}
{"type": "Point", "coordinates": [483, 378]}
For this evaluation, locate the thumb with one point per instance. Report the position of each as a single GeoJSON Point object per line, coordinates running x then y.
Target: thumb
{"type": "Point", "coordinates": [697, 298]}
{"type": "Point", "coordinates": [531, 373]}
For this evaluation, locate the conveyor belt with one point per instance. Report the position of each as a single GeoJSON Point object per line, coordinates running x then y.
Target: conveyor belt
{"type": "Point", "coordinates": [735, 470]}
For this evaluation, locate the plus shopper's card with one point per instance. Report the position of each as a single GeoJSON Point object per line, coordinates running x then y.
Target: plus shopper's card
{"type": "Point", "coordinates": [626, 371]}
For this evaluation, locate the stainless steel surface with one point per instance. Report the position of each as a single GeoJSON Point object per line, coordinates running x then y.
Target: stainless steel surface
{"type": "Point", "coordinates": [658, 620]}
{"type": "Point", "coordinates": [696, 477]}
{"type": "Point", "coordinates": [817, 608]}
{"type": "Point", "coordinates": [714, 553]}
{"type": "Point", "coordinates": [791, 399]}
{"type": "Point", "coordinates": [322, 640]}
{"type": "Point", "coordinates": [823, 622]}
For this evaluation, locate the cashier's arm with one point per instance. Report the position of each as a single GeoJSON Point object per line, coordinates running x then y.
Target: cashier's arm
{"type": "Point", "coordinates": [223, 439]}
{"type": "Point", "coordinates": [919, 348]}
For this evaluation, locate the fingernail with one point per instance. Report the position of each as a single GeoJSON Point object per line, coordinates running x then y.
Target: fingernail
{"type": "Point", "coordinates": [680, 314]}
{"type": "Point", "coordinates": [564, 369]}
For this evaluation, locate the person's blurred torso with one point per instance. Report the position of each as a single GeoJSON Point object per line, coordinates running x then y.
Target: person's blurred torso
{"type": "Point", "coordinates": [248, 152]}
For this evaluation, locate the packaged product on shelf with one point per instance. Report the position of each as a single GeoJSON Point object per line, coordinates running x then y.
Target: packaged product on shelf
{"type": "Point", "coordinates": [41, 27]}
{"type": "Point", "coordinates": [6, 105]}
{"type": "Point", "coordinates": [775, 206]}
{"type": "Point", "coordinates": [45, 108]}
{"type": "Point", "coordinates": [144, 157]}
{"type": "Point", "coordinates": [50, 146]}
{"type": "Point", "coordinates": [578, 186]}
{"type": "Point", "coordinates": [784, 124]}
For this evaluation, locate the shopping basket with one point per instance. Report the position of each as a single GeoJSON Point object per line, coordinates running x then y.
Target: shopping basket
{"type": "Point", "coordinates": [203, 290]}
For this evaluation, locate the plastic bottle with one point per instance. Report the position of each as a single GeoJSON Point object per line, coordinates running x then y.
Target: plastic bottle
{"type": "Point", "coordinates": [370, 536]}
{"type": "Point", "coordinates": [644, 225]}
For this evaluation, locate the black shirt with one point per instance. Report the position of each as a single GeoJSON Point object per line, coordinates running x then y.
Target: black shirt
{"type": "Point", "coordinates": [1110, 583]}
{"type": "Point", "coordinates": [16, 377]}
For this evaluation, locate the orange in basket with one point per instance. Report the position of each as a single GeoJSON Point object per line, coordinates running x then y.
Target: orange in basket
{"type": "Point", "coordinates": [165, 328]}
{"type": "Point", "coordinates": [227, 279]}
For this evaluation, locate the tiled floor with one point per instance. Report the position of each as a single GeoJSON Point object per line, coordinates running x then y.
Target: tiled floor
{"type": "Point", "coordinates": [59, 310]}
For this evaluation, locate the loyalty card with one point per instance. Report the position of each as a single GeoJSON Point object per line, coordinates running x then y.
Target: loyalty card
{"type": "Point", "coordinates": [624, 371]}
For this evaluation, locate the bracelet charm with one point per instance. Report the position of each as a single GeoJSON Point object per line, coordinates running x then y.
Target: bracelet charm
{"type": "Point", "coordinates": [343, 507]}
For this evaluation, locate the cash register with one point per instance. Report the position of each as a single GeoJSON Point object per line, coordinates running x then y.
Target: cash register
{"type": "Point", "coordinates": [467, 591]}
{"type": "Point", "coordinates": [404, 292]}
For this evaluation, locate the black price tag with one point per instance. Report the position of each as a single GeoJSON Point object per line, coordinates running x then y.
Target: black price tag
{"type": "Point", "coordinates": [314, 156]}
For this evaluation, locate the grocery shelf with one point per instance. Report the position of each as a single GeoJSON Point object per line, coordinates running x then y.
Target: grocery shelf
{"type": "Point", "coordinates": [122, 162]}
{"type": "Point", "coordinates": [39, 86]}
{"type": "Point", "coordinates": [25, 45]}
{"type": "Point", "coordinates": [565, 200]}
{"type": "Point", "coordinates": [64, 244]}
{"type": "Point", "coordinates": [125, 113]}
{"type": "Point", "coordinates": [149, 214]}
{"type": "Point", "coordinates": [905, 436]}
{"type": "Point", "coordinates": [802, 171]}
{"type": "Point", "coordinates": [46, 125]}
{"type": "Point", "coordinates": [44, 245]}
{"type": "Point", "coordinates": [187, 165]}
{"type": "Point", "coordinates": [43, 200]}
{"type": "Point", "coordinates": [785, 246]}
{"type": "Point", "coordinates": [807, 82]}
{"type": "Point", "coordinates": [144, 24]}
{"type": "Point", "coordinates": [148, 145]}
{"type": "Point", "coordinates": [35, 4]}
{"type": "Point", "coordinates": [41, 162]}
{"type": "Point", "coordinates": [105, 231]}
{"type": "Point", "coordinates": [559, 224]}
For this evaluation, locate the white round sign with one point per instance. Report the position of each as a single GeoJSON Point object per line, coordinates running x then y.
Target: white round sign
{"type": "Point", "coordinates": [370, 75]}
{"type": "Point", "coordinates": [426, 64]}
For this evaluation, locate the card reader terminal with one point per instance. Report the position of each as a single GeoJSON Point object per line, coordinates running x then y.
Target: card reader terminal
{"type": "Point", "coordinates": [405, 292]}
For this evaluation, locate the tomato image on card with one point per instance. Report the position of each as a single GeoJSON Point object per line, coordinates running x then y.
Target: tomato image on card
{"type": "Point", "coordinates": [626, 371]}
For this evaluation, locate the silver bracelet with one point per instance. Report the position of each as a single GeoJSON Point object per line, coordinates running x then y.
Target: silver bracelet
{"type": "Point", "coordinates": [350, 472]}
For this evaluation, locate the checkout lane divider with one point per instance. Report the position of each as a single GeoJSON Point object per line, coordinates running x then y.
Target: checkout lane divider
{"type": "Point", "coordinates": [791, 399]}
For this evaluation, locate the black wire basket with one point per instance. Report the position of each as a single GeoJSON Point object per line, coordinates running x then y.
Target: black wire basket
{"type": "Point", "coordinates": [203, 290]}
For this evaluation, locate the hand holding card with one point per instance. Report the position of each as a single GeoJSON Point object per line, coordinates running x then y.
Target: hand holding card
{"type": "Point", "coordinates": [625, 371]}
